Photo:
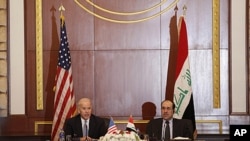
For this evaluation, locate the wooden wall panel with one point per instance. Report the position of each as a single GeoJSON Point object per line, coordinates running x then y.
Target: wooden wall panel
{"type": "Point", "coordinates": [112, 36]}
{"type": "Point", "coordinates": [141, 35]}
{"type": "Point", "coordinates": [129, 6]}
{"type": "Point", "coordinates": [79, 24]}
{"type": "Point", "coordinates": [49, 73]}
{"type": "Point", "coordinates": [123, 66]}
{"type": "Point", "coordinates": [125, 80]}
{"type": "Point", "coordinates": [199, 61]}
{"type": "Point", "coordinates": [83, 73]}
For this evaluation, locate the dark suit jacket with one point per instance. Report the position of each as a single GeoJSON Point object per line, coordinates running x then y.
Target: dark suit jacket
{"type": "Point", "coordinates": [73, 127]}
{"type": "Point", "coordinates": [181, 128]}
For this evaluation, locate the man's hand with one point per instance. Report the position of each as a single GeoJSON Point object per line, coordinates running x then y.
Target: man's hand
{"type": "Point", "coordinates": [85, 138]}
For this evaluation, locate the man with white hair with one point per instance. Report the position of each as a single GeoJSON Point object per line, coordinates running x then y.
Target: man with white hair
{"type": "Point", "coordinates": [85, 125]}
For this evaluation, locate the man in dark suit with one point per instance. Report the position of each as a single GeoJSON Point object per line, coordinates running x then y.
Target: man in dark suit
{"type": "Point", "coordinates": [85, 125]}
{"type": "Point", "coordinates": [157, 128]}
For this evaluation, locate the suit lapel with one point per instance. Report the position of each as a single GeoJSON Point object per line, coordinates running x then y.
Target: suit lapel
{"type": "Point", "coordinates": [79, 126]}
{"type": "Point", "coordinates": [175, 127]}
{"type": "Point", "coordinates": [159, 130]}
{"type": "Point", "coordinates": [91, 124]}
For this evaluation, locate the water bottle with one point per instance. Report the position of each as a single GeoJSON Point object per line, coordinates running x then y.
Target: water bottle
{"type": "Point", "coordinates": [61, 135]}
{"type": "Point", "coordinates": [68, 138]}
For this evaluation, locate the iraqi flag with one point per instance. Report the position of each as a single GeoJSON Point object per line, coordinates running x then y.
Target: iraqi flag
{"type": "Point", "coordinates": [131, 126]}
{"type": "Point", "coordinates": [183, 94]}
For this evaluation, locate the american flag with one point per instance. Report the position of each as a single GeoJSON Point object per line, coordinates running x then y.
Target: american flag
{"type": "Point", "coordinates": [112, 127]}
{"type": "Point", "coordinates": [64, 102]}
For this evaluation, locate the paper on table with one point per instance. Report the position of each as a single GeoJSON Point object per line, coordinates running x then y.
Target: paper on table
{"type": "Point", "coordinates": [182, 138]}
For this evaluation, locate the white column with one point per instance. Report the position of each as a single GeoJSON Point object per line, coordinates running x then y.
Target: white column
{"type": "Point", "coordinates": [238, 56]}
{"type": "Point", "coordinates": [17, 62]}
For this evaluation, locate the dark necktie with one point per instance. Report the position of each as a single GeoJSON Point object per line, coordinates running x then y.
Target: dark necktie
{"type": "Point", "coordinates": [167, 131]}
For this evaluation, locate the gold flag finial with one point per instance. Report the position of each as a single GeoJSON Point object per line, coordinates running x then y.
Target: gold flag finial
{"type": "Point", "coordinates": [184, 10]}
{"type": "Point", "coordinates": [61, 9]}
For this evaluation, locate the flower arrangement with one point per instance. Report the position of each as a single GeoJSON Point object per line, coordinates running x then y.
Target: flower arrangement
{"type": "Point", "coordinates": [121, 136]}
{"type": "Point", "coordinates": [130, 134]}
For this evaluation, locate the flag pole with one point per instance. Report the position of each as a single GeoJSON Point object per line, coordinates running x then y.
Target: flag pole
{"type": "Point", "coordinates": [61, 9]}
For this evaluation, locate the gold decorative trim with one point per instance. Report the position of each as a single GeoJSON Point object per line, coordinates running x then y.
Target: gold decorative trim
{"type": "Point", "coordinates": [219, 122]}
{"type": "Point", "coordinates": [126, 121]}
{"type": "Point", "coordinates": [216, 53]}
{"type": "Point", "coordinates": [39, 56]}
{"type": "Point", "coordinates": [174, 3]}
{"type": "Point", "coordinates": [37, 123]}
{"type": "Point", "coordinates": [127, 13]}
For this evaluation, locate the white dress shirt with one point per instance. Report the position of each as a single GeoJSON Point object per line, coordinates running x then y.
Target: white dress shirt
{"type": "Point", "coordinates": [83, 123]}
{"type": "Point", "coordinates": [170, 128]}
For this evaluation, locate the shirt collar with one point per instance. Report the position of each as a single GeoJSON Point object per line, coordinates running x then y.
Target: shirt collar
{"type": "Point", "coordinates": [83, 120]}
{"type": "Point", "coordinates": [170, 121]}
